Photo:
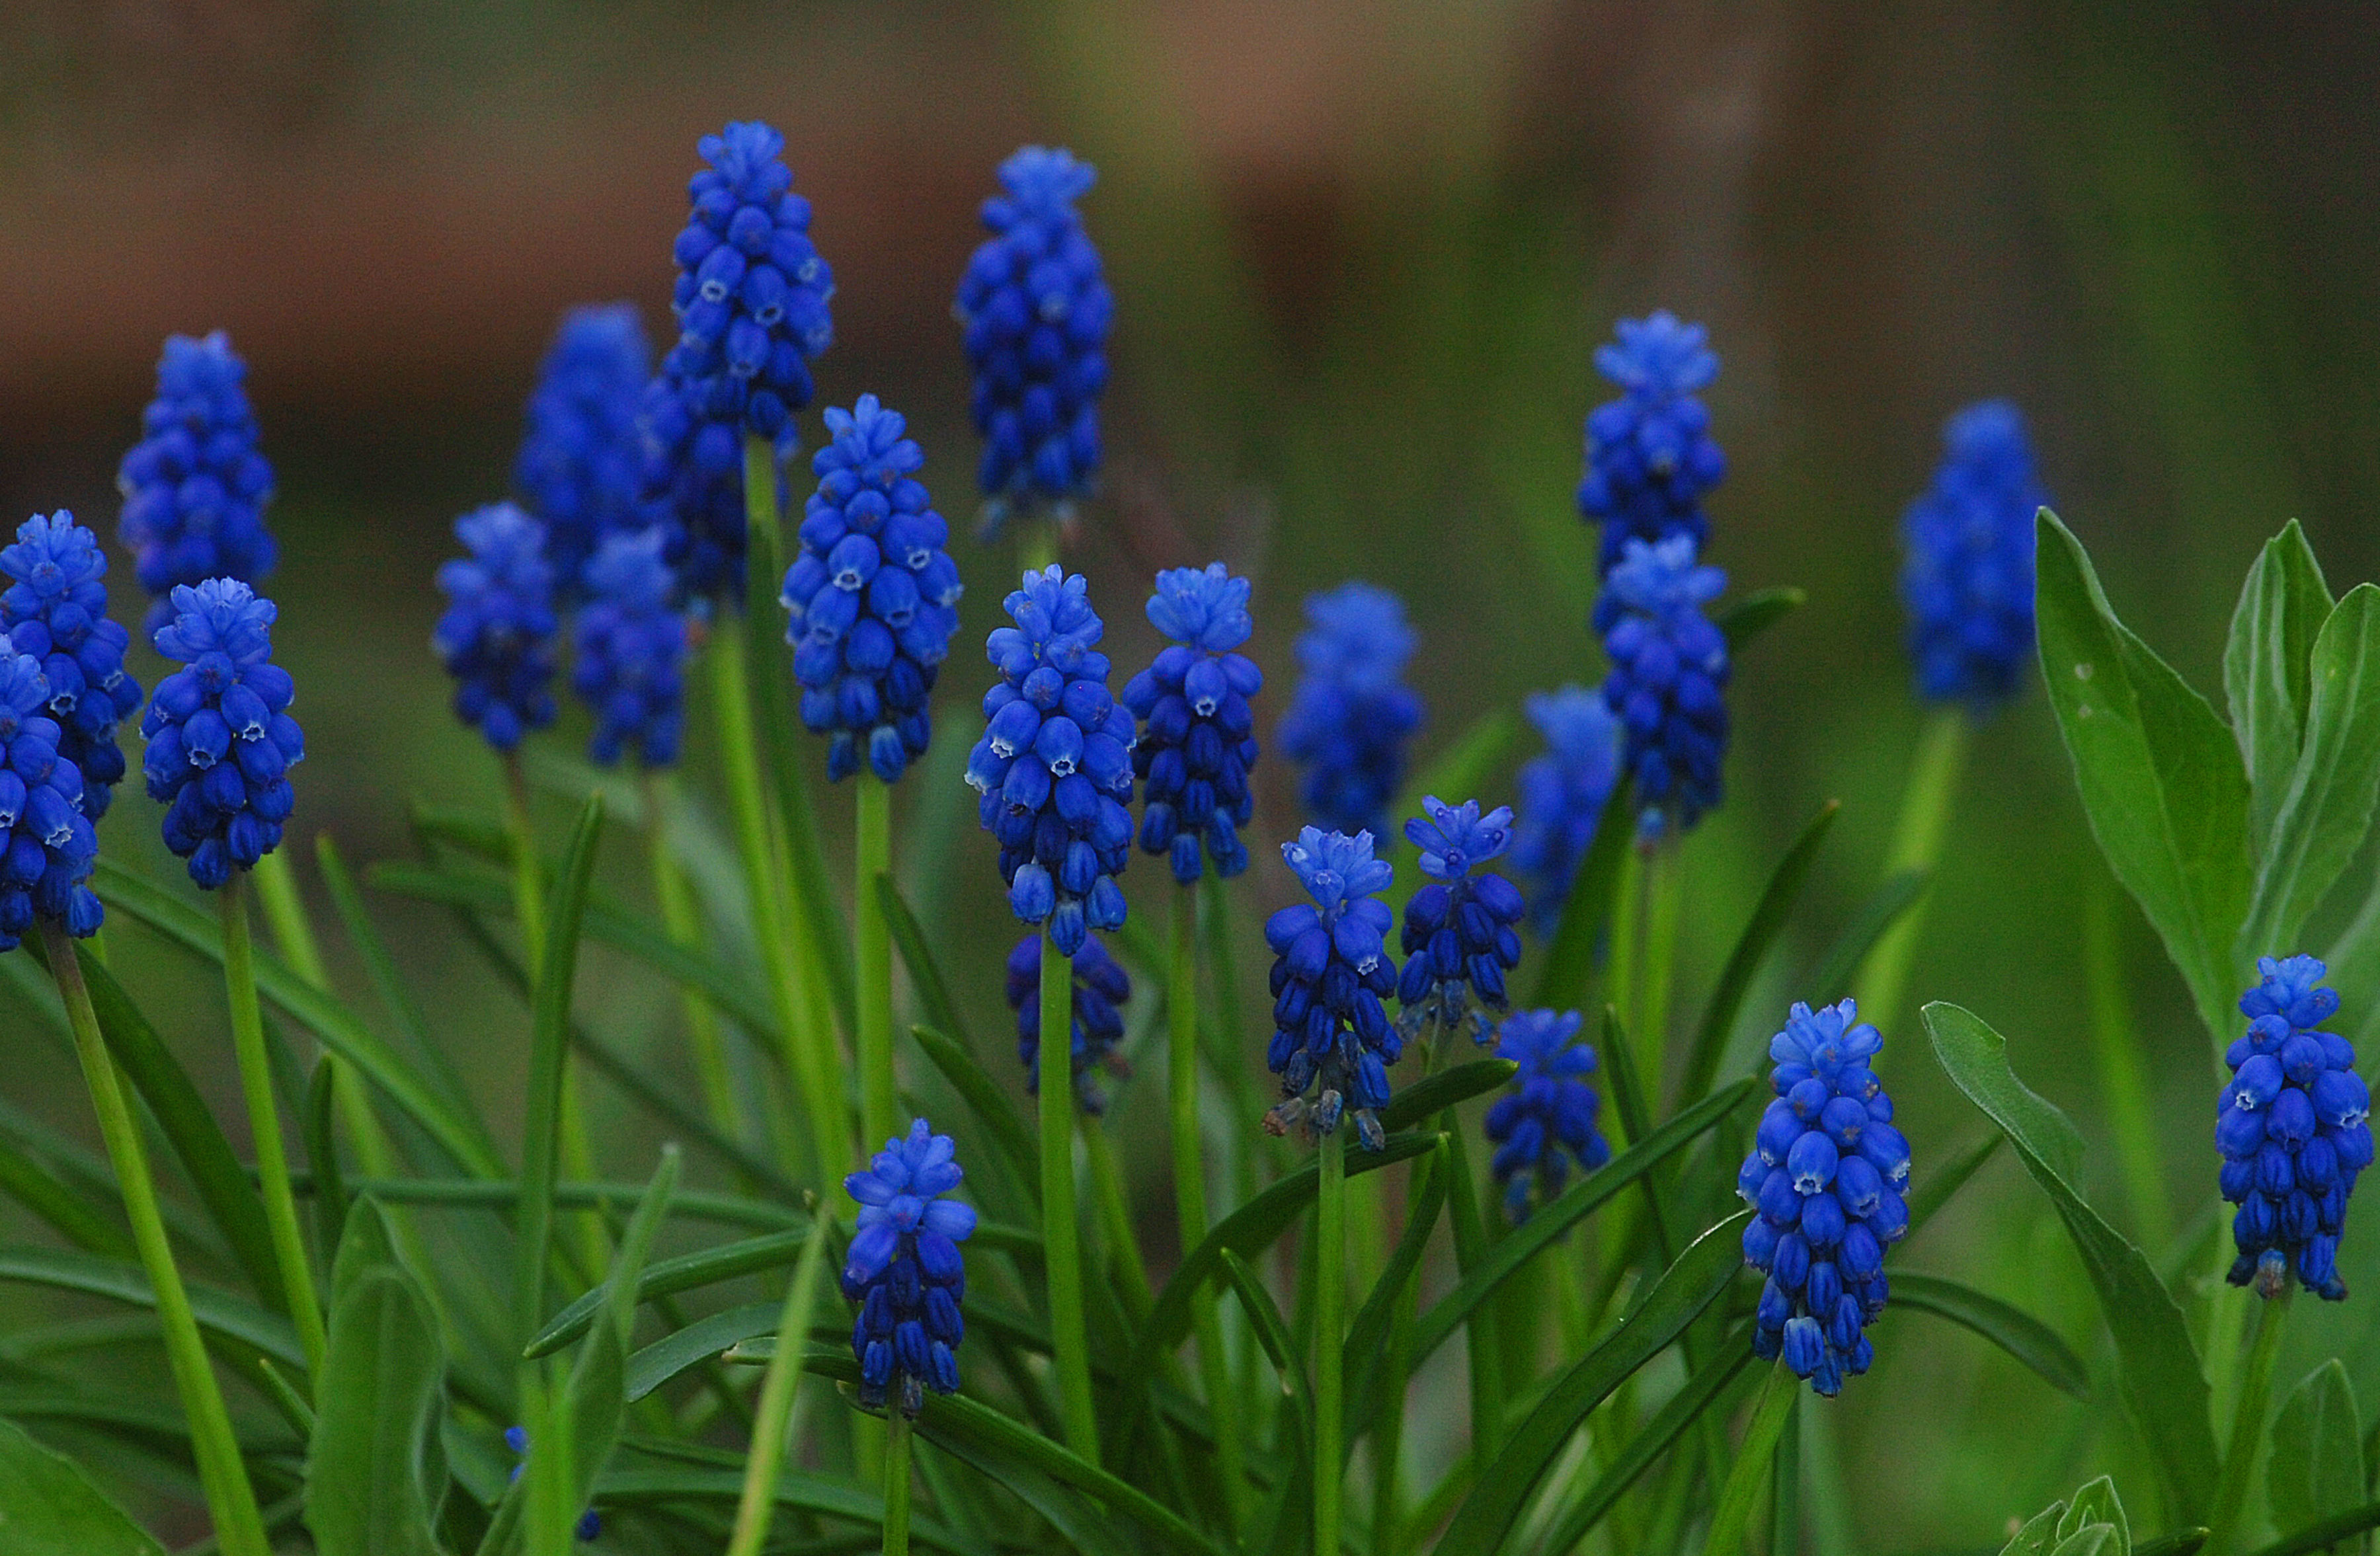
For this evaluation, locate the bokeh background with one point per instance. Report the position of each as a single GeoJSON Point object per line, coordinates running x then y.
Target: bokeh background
{"type": "Point", "coordinates": [1363, 253]}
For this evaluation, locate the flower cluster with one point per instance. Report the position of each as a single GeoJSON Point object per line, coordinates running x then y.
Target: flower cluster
{"type": "Point", "coordinates": [1668, 666]}
{"type": "Point", "coordinates": [1548, 1110]}
{"type": "Point", "coordinates": [632, 645]}
{"type": "Point", "coordinates": [1100, 987]}
{"type": "Point", "coordinates": [1649, 454]}
{"type": "Point", "coordinates": [1036, 313]}
{"type": "Point", "coordinates": [56, 609]}
{"type": "Point", "coordinates": [1968, 581]}
{"type": "Point", "coordinates": [581, 463]}
{"type": "Point", "coordinates": [1331, 971]}
{"type": "Point", "coordinates": [496, 637]}
{"type": "Point", "coordinates": [1197, 734]}
{"type": "Point", "coordinates": [1562, 794]}
{"type": "Point", "coordinates": [590, 1522]}
{"type": "Point", "coordinates": [1351, 717]}
{"type": "Point", "coordinates": [873, 597]}
{"type": "Point", "coordinates": [50, 847]}
{"type": "Point", "coordinates": [904, 1271]}
{"type": "Point", "coordinates": [221, 739]}
{"type": "Point", "coordinates": [195, 486]}
{"type": "Point", "coordinates": [1054, 765]}
{"type": "Point", "coordinates": [1460, 935]}
{"type": "Point", "coordinates": [2293, 1127]}
{"type": "Point", "coordinates": [1826, 1171]}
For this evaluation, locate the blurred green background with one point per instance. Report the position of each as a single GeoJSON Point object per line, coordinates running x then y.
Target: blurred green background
{"type": "Point", "coordinates": [1362, 254]}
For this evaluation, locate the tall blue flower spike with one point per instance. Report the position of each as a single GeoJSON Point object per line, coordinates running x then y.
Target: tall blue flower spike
{"type": "Point", "coordinates": [1827, 1172]}
{"type": "Point", "coordinates": [1054, 765]}
{"type": "Point", "coordinates": [2294, 1129]}
{"type": "Point", "coordinates": [1461, 934]}
{"type": "Point", "coordinates": [1197, 734]}
{"type": "Point", "coordinates": [221, 740]}
{"type": "Point", "coordinates": [581, 465]}
{"type": "Point", "coordinates": [751, 304]}
{"type": "Point", "coordinates": [1649, 454]}
{"type": "Point", "coordinates": [904, 1271]}
{"type": "Point", "coordinates": [632, 642]}
{"type": "Point", "coordinates": [56, 609]}
{"type": "Point", "coordinates": [1351, 718]}
{"type": "Point", "coordinates": [1668, 666]}
{"type": "Point", "coordinates": [1101, 986]}
{"type": "Point", "coordinates": [195, 486]}
{"type": "Point", "coordinates": [496, 637]}
{"type": "Point", "coordinates": [1037, 312]}
{"type": "Point", "coordinates": [1562, 794]}
{"type": "Point", "coordinates": [1332, 1042]}
{"type": "Point", "coordinates": [873, 597]}
{"type": "Point", "coordinates": [1548, 1109]}
{"type": "Point", "coordinates": [1968, 580]}
{"type": "Point", "coordinates": [590, 1522]}
{"type": "Point", "coordinates": [49, 849]}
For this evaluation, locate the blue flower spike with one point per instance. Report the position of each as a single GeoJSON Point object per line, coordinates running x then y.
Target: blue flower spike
{"type": "Point", "coordinates": [1968, 578]}
{"type": "Point", "coordinates": [1826, 1174]}
{"type": "Point", "coordinates": [632, 644]}
{"type": "Point", "coordinates": [56, 609]}
{"type": "Point", "coordinates": [581, 463]}
{"type": "Point", "coordinates": [496, 637]}
{"type": "Point", "coordinates": [1668, 670]}
{"type": "Point", "coordinates": [221, 740]}
{"type": "Point", "coordinates": [1649, 453]}
{"type": "Point", "coordinates": [1197, 734]}
{"type": "Point", "coordinates": [1332, 1042]}
{"type": "Point", "coordinates": [195, 485]}
{"type": "Point", "coordinates": [1545, 1120]}
{"type": "Point", "coordinates": [904, 1271]}
{"type": "Point", "coordinates": [1461, 930]}
{"type": "Point", "coordinates": [1054, 765]}
{"type": "Point", "coordinates": [2294, 1127]}
{"type": "Point", "coordinates": [1351, 718]}
{"type": "Point", "coordinates": [873, 597]}
{"type": "Point", "coordinates": [49, 848]}
{"type": "Point", "coordinates": [1563, 792]}
{"type": "Point", "coordinates": [1101, 986]}
{"type": "Point", "coordinates": [590, 1522]}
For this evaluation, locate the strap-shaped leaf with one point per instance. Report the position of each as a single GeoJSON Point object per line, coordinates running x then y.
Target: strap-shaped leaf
{"type": "Point", "coordinates": [668, 1485]}
{"type": "Point", "coordinates": [1760, 933]}
{"type": "Point", "coordinates": [991, 1106]}
{"type": "Point", "coordinates": [2282, 605]}
{"type": "Point", "coordinates": [1570, 956]}
{"type": "Point", "coordinates": [1367, 1351]}
{"type": "Point", "coordinates": [2324, 1534]}
{"type": "Point", "coordinates": [2316, 1468]}
{"type": "Point", "coordinates": [219, 1313]}
{"type": "Point", "coordinates": [52, 1507]}
{"type": "Point", "coordinates": [1756, 613]}
{"type": "Point", "coordinates": [1711, 1388]}
{"type": "Point", "coordinates": [2014, 1330]}
{"type": "Point", "coordinates": [1830, 978]}
{"type": "Point", "coordinates": [917, 956]}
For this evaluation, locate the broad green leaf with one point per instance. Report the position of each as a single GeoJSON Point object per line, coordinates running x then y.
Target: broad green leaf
{"type": "Point", "coordinates": [2014, 1330]}
{"type": "Point", "coordinates": [2039, 1535]}
{"type": "Point", "coordinates": [1705, 1391]}
{"type": "Point", "coordinates": [2316, 1468]}
{"type": "Point", "coordinates": [1830, 978]}
{"type": "Point", "coordinates": [1760, 933]}
{"type": "Point", "coordinates": [1570, 956]}
{"type": "Point", "coordinates": [2327, 808]}
{"type": "Point", "coordinates": [2092, 1540]}
{"type": "Point", "coordinates": [664, 1359]}
{"type": "Point", "coordinates": [47, 1508]}
{"type": "Point", "coordinates": [2095, 1506]}
{"type": "Point", "coordinates": [322, 1155]}
{"type": "Point", "coordinates": [2282, 605]}
{"type": "Point", "coordinates": [1756, 613]}
{"type": "Point", "coordinates": [1432, 1095]}
{"type": "Point", "coordinates": [375, 1473]}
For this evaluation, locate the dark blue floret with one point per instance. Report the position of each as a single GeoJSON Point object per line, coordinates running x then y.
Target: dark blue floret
{"type": "Point", "coordinates": [1332, 1042]}
{"type": "Point", "coordinates": [1649, 454]}
{"type": "Point", "coordinates": [1668, 668]}
{"type": "Point", "coordinates": [904, 1270]}
{"type": "Point", "coordinates": [1968, 581]}
{"type": "Point", "coordinates": [1054, 765]}
{"type": "Point", "coordinates": [1037, 312]}
{"type": "Point", "coordinates": [195, 486]}
{"type": "Point", "coordinates": [221, 740]}
{"type": "Point", "coordinates": [1197, 734]}
{"type": "Point", "coordinates": [1548, 1112]}
{"type": "Point", "coordinates": [1562, 795]}
{"type": "Point", "coordinates": [56, 609]}
{"type": "Point", "coordinates": [1350, 720]}
{"type": "Point", "coordinates": [632, 642]}
{"type": "Point", "coordinates": [496, 637]}
{"type": "Point", "coordinates": [873, 597]}
{"type": "Point", "coordinates": [1101, 987]}
{"type": "Point", "coordinates": [1827, 1172]}
{"type": "Point", "coordinates": [1461, 931]}
{"type": "Point", "coordinates": [581, 465]}
{"type": "Point", "coordinates": [590, 1522]}
{"type": "Point", "coordinates": [47, 846]}
{"type": "Point", "coordinates": [2293, 1125]}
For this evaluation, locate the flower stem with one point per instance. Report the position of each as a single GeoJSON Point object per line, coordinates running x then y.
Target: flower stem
{"type": "Point", "coordinates": [774, 1419]}
{"type": "Point", "coordinates": [684, 926]}
{"type": "Point", "coordinates": [1330, 1339]}
{"type": "Point", "coordinates": [231, 1501]}
{"type": "Point", "coordinates": [896, 1482]}
{"type": "Point", "coordinates": [2248, 1423]}
{"type": "Point", "coordinates": [1190, 1197]}
{"type": "Point", "coordinates": [1917, 845]}
{"type": "Point", "coordinates": [1061, 1237]}
{"type": "Point", "coordinates": [1731, 1519]}
{"type": "Point", "coordinates": [871, 942]}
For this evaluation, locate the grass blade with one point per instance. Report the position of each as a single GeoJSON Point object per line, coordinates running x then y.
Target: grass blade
{"type": "Point", "coordinates": [548, 1051]}
{"type": "Point", "coordinates": [2021, 1335]}
{"type": "Point", "coordinates": [1710, 1388]}
{"type": "Point", "coordinates": [1831, 979]}
{"type": "Point", "coordinates": [992, 1107]}
{"type": "Point", "coordinates": [1756, 613]}
{"type": "Point", "coordinates": [1570, 956]}
{"type": "Point", "coordinates": [1760, 933]}
{"type": "Point", "coordinates": [925, 973]}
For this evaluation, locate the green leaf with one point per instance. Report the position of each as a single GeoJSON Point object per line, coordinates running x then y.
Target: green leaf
{"type": "Point", "coordinates": [81, 1222]}
{"type": "Point", "coordinates": [381, 968]}
{"type": "Point", "coordinates": [665, 1486]}
{"type": "Point", "coordinates": [991, 1105]}
{"type": "Point", "coordinates": [375, 1473]}
{"type": "Point", "coordinates": [2325, 1533]}
{"type": "Point", "coordinates": [48, 1508]}
{"type": "Point", "coordinates": [1426, 1098]}
{"type": "Point", "coordinates": [664, 1359]}
{"type": "Point", "coordinates": [1948, 1179]}
{"type": "Point", "coordinates": [1705, 1390]}
{"type": "Point", "coordinates": [1280, 1347]}
{"type": "Point", "coordinates": [549, 1047]}
{"type": "Point", "coordinates": [2038, 1536]}
{"type": "Point", "coordinates": [2014, 1330]}
{"type": "Point", "coordinates": [2316, 1468]}
{"type": "Point", "coordinates": [323, 1156]}
{"type": "Point", "coordinates": [1570, 956]}
{"type": "Point", "coordinates": [2096, 1506]}
{"type": "Point", "coordinates": [593, 1400]}
{"type": "Point", "coordinates": [2327, 809]}
{"type": "Point", "coordinates": [2282, 606]}
{"type": "Point", "coordinates": [925, 973]}
{"type": "Point", "coordinates": [668, 1276]}
{"type": "Point", "coordinates": [1756, 613]}
{"type": "Point", "coordinates": [2157, 1364]}
{"type": "Point", "coordinates": [1760, 933]}
{"type": "Point", "coordinates": [1366, 1348]}
{"type": "Point", "coordinates": [219, 1312]}
{"type": "Point", "coordinates": [1831, 979]}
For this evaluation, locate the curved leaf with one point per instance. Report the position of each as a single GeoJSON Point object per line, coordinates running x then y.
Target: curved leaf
{"type": "Point", "coordinates": [53, 1508]}
{"type": "Point", "coordinates": [1831, 979]}
{"type": "Point", "coordinates": [2326, 1533]}
{"type": "Point", "coordinates": [668, 1276]}
{"type": "Point", "coordinates": [1703, 1391]}
{"type": "Point", "coordinates": [925, 972]}
{"type": "Point", "coordinates": [233, 1318]}
{"type": "Point", "coordinates": [1570, 956]}
{"type": "Point", "coordinates": [2266, 676]}
{"type": "Point", "coordinates": [991, 1105]}
{"type": "Point", "coordinates": [2316, 1468]}
{"type": "Point", "coordinates": [1760, 933]}
{"type": "Point", "coordinates": [651, 1486]}
{"type": "Point", "coordinates": [2014, 1330]}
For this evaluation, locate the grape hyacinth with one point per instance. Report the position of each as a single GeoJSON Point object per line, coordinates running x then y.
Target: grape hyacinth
{"type": "Point", "coordinates": [1331, 971]}
{"type": "Point", "coordinates": [1351, 718]}
{"type": "Point", "coordinates": [221, 739]}
{"type": "Point", "coordinates": [1562, 794]}
{"type": "Point", "coordinates": [2293, 1127]}
{"type": "Point", "coordinates": [1669, 665]}
{"type": "Point", "coordinates": [50, 847]}
{"type": "Point", "coordinates": [904, 1271]}
{"type": "Point", "coordinates": [56, 609]}
{"type": "Point", "coordinates": [1968, 580]}
{"type": "Point", "coordinates": [1547, 1111]}
{"type": "Point", "coordinates": [873, 597]}
{"type": "Point", "coordinates": [581, 464]}
{"type": "Point", "coordinates": [1197, 734]}
{"type": "Point", "coordinates": [496, 637]}
{"type": "Point", "coordinates": [1649, 453]}
{"type": "Point", "coordinates": [1827, 1172]}
{"type": "Point", "coordinates": [195, 485]}
{"type": "Point", "coordinates": [1460, 937]}
{"type": "Point", "coordinates": [590, 1522]}
{"type": "Point", "coordinates": [1101, 986]}
{"type": "Point", "coordinates": [1054, 765]}
{"type": "Point", "coordinates": [632, 643]}
{"type": "Point", "coordinates": [1037, 312]}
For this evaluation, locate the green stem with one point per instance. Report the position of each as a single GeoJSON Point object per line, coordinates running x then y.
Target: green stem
{"type": "Point", "coordinates": [2248, 1423]}
{"type": "Point", "coordinates": [775, 1419]}
{"type": "Point", "coordinates": [223, 1479]}
{"type": "Point", "coordinates": [1731, 1519]}
{"type": "Point", "coordinates": [1917, 845]}
{"type": "Point", "coordinates": [871, 942]}
{"type": "Point", "coordinates": [896, 1483]}
{"type": "Point", "coordinates": [2121, 1075]}
{"type": "Point", "coordinates": [1060, 1236]}
{"type": "Point", "coordinates": [684, 926]}
{"type": "Point", "coordinates": [1330, 1339]}
{"type": "Point", "coordinates": [1190, 1198]}
{"type": "Point", "coordinates": [1664, 894]}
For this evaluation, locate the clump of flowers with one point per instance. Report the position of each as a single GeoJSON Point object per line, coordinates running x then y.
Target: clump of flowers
{"type": "Point", "coordinates": [1968, 580]}
{"type": "Point", "coordinates": [581, 465]}
{"type": "Point", "coordinates": [56, 609]}
{"type": "Point", "coordinates": [221, 740]}
{"type": "Point", "coordinates": [1668, 668]}
{"type": "Point", "coordinates": [1544, 1120]}
{"type": "Point", "coordinates": [2294, 1130]}
{"type": "Point", "coordinates": [496, 637]}
{"type": "Point", "coordinates": [632, 643]}
{"type": "Point", "coordinates": [1351, 718]}
{"type": "Point", "coordinates": [1460, 932]}
{"type": "Point", "coordinates": [1649, 453]}
{"type": "Point", "coordinates": [1101, 986]}
{"type": "Point", "coordinates": [1332, 1042]}
{"type": "Point", "coordinates": [1197, 734]}
{"type": "Point", "coordinates": [195, 485]}
{"type": "Point", "coordinates": [50, 849]}
{"type": "Point", "coordinates": [1562, 793]}
{"type": "Point", "coordinates": [904, 1271]}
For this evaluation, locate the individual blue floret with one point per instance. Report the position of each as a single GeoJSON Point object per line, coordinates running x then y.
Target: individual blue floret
{"type": "Point", "coordinates": [1968, 580]}
{"type": "Point", "coordinates": [221, 740]}
{"type": "Point", "coordinates": [47, 846]}
{"type": "Point", "coordinates": [2293, 1125]}
{"type": "Point", "coordinates": [1562, 794]}
{"type": "Point", "coordinates": [1547, 1111]}
{"type": "Point", "coordinates": [1054, 765]}
{"type": "Point", "coordinates": [496, 637]}
{"type": "Point", "coordinates": [904, 1271]}
{"type": "Point", "coordinates": [1197, 734]}
{"type": "Point", "coordinates": [56, 609]}
{"type": "Point", "coordinates": [1669, 667]}
{"type": "Point", "coordinates": [873, 597]}
{"type": "Point", "coordinates": [1332, 1042]}
{"type": "Point", "coordinates": [1649, 453]}
{"type": "Point", "coordinates": [1101, 986]}
{"type": "Point", "coordinates": [1827, 1172]}
{"type": "Point", "coordinates": [590, 1522]}
{"type": "Point", "coordinates": [632, 643]}
{"type": "Point", "coordinates": [195, 485]}
{"type": "Point", "coordinates": [1461, 930]}
{"type": "Point", "coordinates": [1037, 312]}
{"type": "Point", "coordinates": [1351, 718]}
{"type": "Point", "coordinates": [581, 465]}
